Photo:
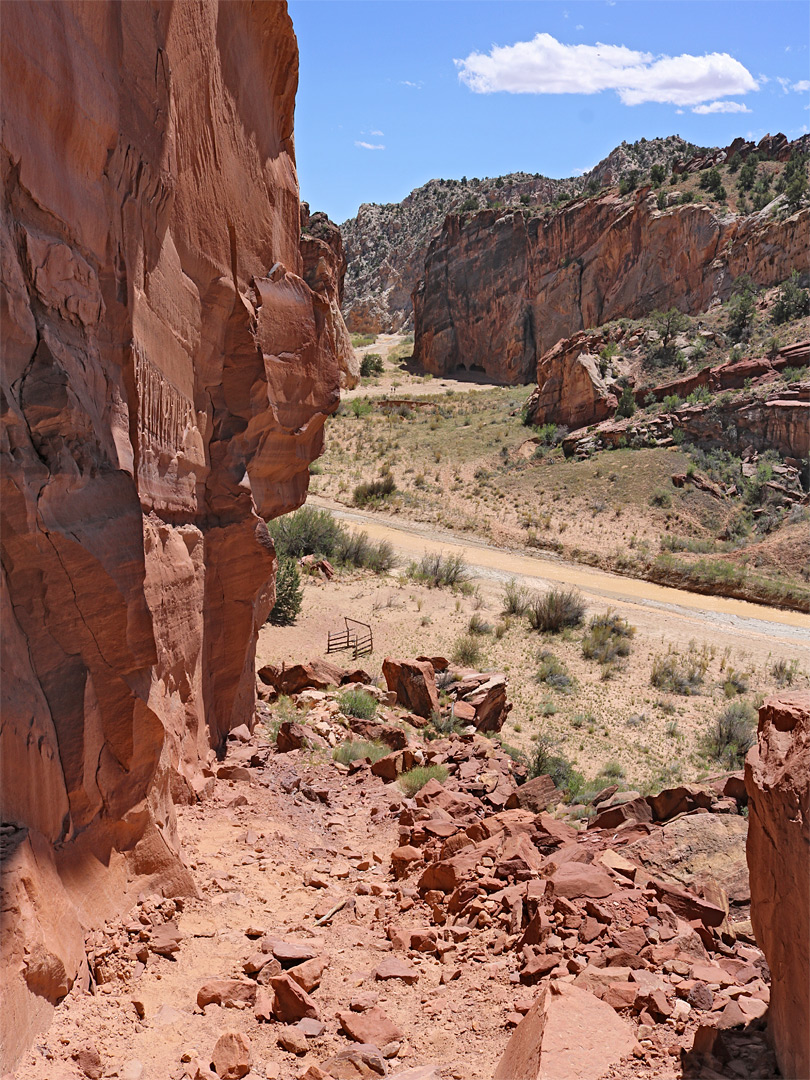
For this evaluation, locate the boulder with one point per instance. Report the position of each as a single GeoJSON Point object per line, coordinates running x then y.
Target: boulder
{"type": "Point", "coordinates": [370, 1026]}
{"type": "Point", "coordinates": [290, 1001]}
{"type": "Point", "coordinates": [577, 880]}
{"type": "Point", "coordinates": [290, 736]}
{"type": "Point", "coordinates": [315, 674]}
{"type": "Point", "coordinates": [232, 1056]}
{"type": "Point", "coordinates": [777, 780]}
{"type": "Point", "coordinates": [414, 683]}
{"type": "Point", "coordinates": [229, 993]}
{"type": "Point", "coordinates": [489, 702]}
{"type": "Point", "coordinates": [568, 1034]}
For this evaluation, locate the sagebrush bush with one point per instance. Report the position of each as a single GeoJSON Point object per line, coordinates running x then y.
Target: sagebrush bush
{"type": "Point", "coordinates": [315, 532]}
{"type": "Point", "coordinates": [374, 490]}
{"type": "Point", "coordinates": [552, 672]}
{"type": "Point", "coordinates": [357, 703]}
{"type": "Point", "coordinates": [437, 569]}
{"type": "Point", "coordinates": [467, 651]}
{"type": "Point", "coordinates": [546, 761]}
{"type": "Point", "coordinates": [516, 598]}
{"type": "Point", "coordinates": [478, 624]}
{"type": "Point", "coordinates": [289, 594]}
{"type": "Point", "coordinates": [732, 735]}
{"type": "Point", "coordinates": [413, 781]}
{"type": "Point", "coordinates": [679, 674]}
{"type": "Point", "coordinates": [358, 749]}
{"type": "Point", "coordinates": [556, 609]}
{"type": "Point", "coordinates": [608, 636]}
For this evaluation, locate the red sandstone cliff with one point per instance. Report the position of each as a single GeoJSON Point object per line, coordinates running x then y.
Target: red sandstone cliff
{"type": "Point", "coordinates": [777, 780]}
{"type": "Point", "coordinates": [165, 380]}
{"type": "Point", "coordinates": [501, 289]}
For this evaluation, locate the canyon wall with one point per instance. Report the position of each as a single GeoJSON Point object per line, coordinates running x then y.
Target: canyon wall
{"type": "Point", "coordinates": [777, 781]}
{"type": "Point", "coordinates": [502, 288]}
{"type": "Point", "coordinates": [166, 375]}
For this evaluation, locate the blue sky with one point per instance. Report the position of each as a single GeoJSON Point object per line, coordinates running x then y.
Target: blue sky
{"type": "Point", "coordinates": [395, 92]}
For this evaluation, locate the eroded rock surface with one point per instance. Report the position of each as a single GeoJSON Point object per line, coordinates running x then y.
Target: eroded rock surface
{"type": "Point", "coordinates": [166, 376]}
{"type": "Point", "coordinates": [502, 288]}
{"type": "Point", "coordinates": [777, 779]}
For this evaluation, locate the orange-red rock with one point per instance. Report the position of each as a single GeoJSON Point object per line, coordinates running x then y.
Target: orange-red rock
{"type": "Point", "coordinates": [414, 683]}
{"type": "Point", "coordinates": [777, 779]}
{"type": "Point", "coordinates": [500, 289]}
{"type": "Point", "coordinates": [166, 377]}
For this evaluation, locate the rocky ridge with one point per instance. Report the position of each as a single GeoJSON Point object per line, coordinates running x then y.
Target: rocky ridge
{"type": "Point", "coordinates": [167, 373]}
{"type": "Point", "coordinates": [508, 925]}
{"type": "Point", "coordinates": [386, 244]}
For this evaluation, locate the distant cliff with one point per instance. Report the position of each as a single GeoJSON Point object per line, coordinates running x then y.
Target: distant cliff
{"type": "Point", "coordinates": [500, 289]}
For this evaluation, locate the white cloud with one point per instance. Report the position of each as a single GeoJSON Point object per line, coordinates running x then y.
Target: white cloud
{"type": "Point", "coordinates": [784, 83]}
{"type": "Point", "coordinates": [802, 86]}
{"type": "Point", "coordinates": [369, 146]}
{"type": "Point", "coordinates": [721, 107]}
{"type": "Point", "coordinates": [376, 133]}
{"type": "Point", "coordinates": [413, 85]}
{"type": "Point", "coordinates": [579, 26]}
{"type": "Point", "coordinates": [547, 66]}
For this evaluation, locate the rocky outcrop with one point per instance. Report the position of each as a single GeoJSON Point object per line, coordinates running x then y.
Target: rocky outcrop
{"type": "Point", "coordinates": [166, 377]}
{"type": "Point", "coordinates": [502, 288]}
{"type": "Point", "coordinates": [386, 244]}
{"type": "Point", "coordinates": [570, 388]}
{"type": "Point", "coordinates": [325, 271]}
{"type": "Point", "coordinates": [777, 779]}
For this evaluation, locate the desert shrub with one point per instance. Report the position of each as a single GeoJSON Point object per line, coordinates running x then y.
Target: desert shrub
{"type": "Point", "coordinates": [415, 779]}
{"type": "Point", "coordinates": [357, 749]}
{"type": "Point", "coordinates": [608, 636]}
{"type": "Point", "coordinates": [360, 407]}
{"type": "Point", "coordinates": [698, 545]}
{"type": "Point", "coordinates": [289, 594]}
{"type": "Point", "coordinates": [516, 598]}
{"type": "Point", "coordinates": [741, 310]}
{"type": "Point", "coordinates": [661, 498]}
{"type": "Point", "coordinates": [546, 761]}
{"type": "Point", "coordinates": [478, 624]}
{"type": "Point", "coordinates": [671, 402]}
{"type": "Point", "coordinates": [556, 609]}
{"type": "Point", "coordinates": [357, 703]}
{"type": "Point", "coordinates": [436, 569]}
{"type": "Point", "coordinates": [680, 674]}
{"type": "Point", "coordinates": [784, 672]}
{"type": "Point", "coordinates": [371, 364]}
{"type": "Point", "coordinates": [306, 532]}
{"type": "Point", "coordinates": [731, 736]}
{"type": "Point", "coordinates": [552, 672]}
{"type": "Point", "coordinates": [356, 549]}
{"type": "Point", "coordinates": [374, 490]}
{"type": "Point", "coordinates": [792, 302]}
{"type": "Point", "coordinates": [467, 650]}
{"type": "Point", "coordinates": [736, 683]}
{"type": "Point", "coordinates": [667, 325]}
{"type": "Point", "coordinates": [627, 403]}
{"type": "Point", "coordinates": [359, 340]}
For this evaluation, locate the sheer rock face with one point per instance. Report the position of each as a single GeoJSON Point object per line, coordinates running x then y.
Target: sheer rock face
{"type": "Point", "coordinates": [325, 271]}
{"type": "Point", "coordinates": [166, 377]}
{"type": "Point", "coordinates": [500, 289]}
{"type": "Point", "coordinates": [777, 780]}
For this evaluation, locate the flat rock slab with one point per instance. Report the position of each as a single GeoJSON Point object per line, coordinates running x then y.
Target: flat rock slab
{"type": "Point", "coordinates": [393, 968]}
{"type": "Point", "coordinates": [371, 1026]}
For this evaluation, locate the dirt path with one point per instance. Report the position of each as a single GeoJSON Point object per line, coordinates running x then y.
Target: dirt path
{"type": "Point", "coordinates": [751, 620]}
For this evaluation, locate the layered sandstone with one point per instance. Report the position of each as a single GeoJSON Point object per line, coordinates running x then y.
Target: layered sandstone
{"type": "Point", "coordinates": [166, 377]}
{"type": "Point", "coordinates": [502, 288]}
{"type": "Point", "coordinates": [325, 272]}
{"type": "Point", "coordinates": [777, 780]}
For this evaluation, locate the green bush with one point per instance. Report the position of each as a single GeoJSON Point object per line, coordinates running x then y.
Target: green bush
{"type": "Point", "coordinates": [741, 310]}
{"type": "Point", "coordinates": [436, 569]}
{"type": "Point", "coordinates": [413, 781]}
{"type": "Point", "coordinates": [546, 761]}
{"type": "Point", "coordinates": [289, 594]}
{"type": "Point", "coordinates": [732, 735]}
{"type": "Point", "coordinates": [467, 651]}
{"type": "Point", "coordinates": [360, 407]}
{"type": "Point", "coordinates": [556, 609]}
{"type": "Point", "coordinates": [315, 532]}
{"type": "Point", "coordinates": [371, 364]}
{"type": "Point", "coordinates": [661, 498]}
{"type": "Point", "coordinates": [374, 490]}
{"type": "Point", "coordinates": [516, 598]}
{"type": "Point", "coordinates": [553, 673]}
{"type": "Point", "coordinates": [357, 749]}
{"type": "Point", "coordinates": [679, 675]}
{"type": "Point", "coordinates": [359, 340]}
{"type": "Point", "coordinates": [792, 302]}
{"type": "Point", "coordinates": [608, 637]}
{"type": "Point", "coordinates": [784, 672]}
{"type": "Point", "coordinates": [667, 325]}
{"type": "Point", "coordinates": [478, 624]}
{"type": "Point", "coordinates": [627, 403]}
{"type": "Point", "coordinates": [357, 703]}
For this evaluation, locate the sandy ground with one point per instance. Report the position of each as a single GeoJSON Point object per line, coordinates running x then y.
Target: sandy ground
{"type": "Point", "coordinates": [661, 741]}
